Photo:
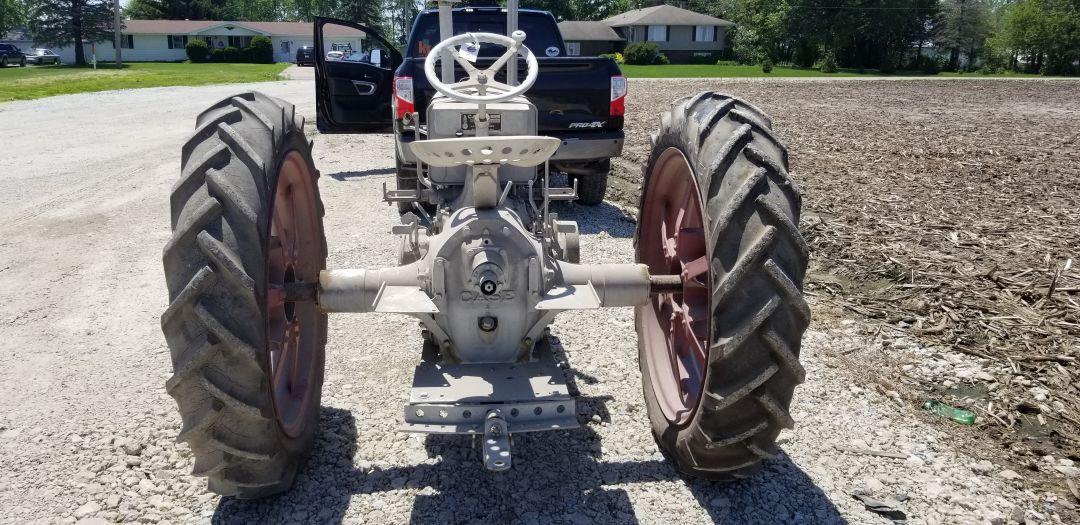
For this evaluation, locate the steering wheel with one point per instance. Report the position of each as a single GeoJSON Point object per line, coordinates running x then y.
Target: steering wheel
{"type": "Point", "coordinates": [481, 86]}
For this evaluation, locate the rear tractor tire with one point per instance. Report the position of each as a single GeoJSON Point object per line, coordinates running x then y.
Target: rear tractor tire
{"type": "Point", "coordinates": [720, 359]}
{"type": "Point", "coordinates": [247, 364]}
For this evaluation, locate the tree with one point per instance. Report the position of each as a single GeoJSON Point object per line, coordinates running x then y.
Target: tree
{"type": "Point", "coordinates": [177, 9]}
{"type": "Point", "coordinates": [12, 15]}
{"type": "Point", "coordinates": [401, 14]}
{"type": "Point", "coordinates": [964, 26]}
{"type": "Point", "coordinates": [367, 12]}
{"type": "Point", "coordinates": [58, 23]}
{"type": "Point", "coordinates": [1043, 33]}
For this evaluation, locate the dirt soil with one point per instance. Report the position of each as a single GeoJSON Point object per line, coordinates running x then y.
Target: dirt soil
{"type": "Point", "coordinates": [948, 212]}
{"type": "Point", "coordinates": [87, 432]}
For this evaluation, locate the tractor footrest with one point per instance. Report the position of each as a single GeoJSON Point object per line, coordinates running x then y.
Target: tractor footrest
{"type": "Point", "coordinates": [562, 194]}
{"type": "Point", "coordinates": [456, 398]}
{"type": "Point", "coordinates": [400, 195]}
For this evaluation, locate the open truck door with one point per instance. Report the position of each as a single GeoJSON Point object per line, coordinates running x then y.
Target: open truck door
{"type": "Point", "coordinates": [354, 77]}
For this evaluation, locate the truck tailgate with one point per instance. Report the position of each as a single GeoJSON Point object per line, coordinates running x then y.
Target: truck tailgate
{"type": "Point", "coordinates": [571, 94]}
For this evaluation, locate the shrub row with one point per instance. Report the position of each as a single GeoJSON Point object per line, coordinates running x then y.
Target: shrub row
{"type": "Point", "coordinates": [261, 51]}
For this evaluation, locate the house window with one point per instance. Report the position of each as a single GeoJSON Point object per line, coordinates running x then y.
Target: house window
{"type": "Point", "coordinates": [239, 42]}
{"type": "Point", "coordinates": [573, 49]}
{"type": "Point", "coordinates": [177, 41]}
{"type": "Point", "coordinates": [704, 33]}
{"type": "Point", "coordinates": [127, 41]}
{"type": "Point", "coordinates": [286, 46]}
{"type": "Point", "coordinates": [658, 33]}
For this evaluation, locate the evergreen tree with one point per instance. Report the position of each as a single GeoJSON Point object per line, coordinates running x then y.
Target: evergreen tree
{"type": "Point", "coordinates": [58, 23]}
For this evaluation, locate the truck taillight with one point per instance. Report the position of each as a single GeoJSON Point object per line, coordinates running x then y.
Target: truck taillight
{"type": "Point", "coordinates": [403, 97]}
{"type": "Point", "coordinates": [618, 96]}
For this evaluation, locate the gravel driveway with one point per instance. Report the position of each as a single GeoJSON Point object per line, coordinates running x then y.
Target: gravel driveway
{"type": "Point", "coordinates": [86, 429]}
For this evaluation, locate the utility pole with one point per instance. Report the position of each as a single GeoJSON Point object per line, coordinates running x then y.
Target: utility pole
{"type": "Point", "coordinates": [116, 32]}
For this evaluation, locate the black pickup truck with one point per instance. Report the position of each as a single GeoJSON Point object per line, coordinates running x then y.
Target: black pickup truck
{"type": "Point", "coordinates": [579, 100]}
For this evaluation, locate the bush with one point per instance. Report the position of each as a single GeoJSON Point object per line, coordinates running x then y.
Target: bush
{"type": "Point", "coordinates": [662, 59]}
{"type": "Point", "coordinates": [217, 55]}
{"type": "Point", "coordinates": [642, 53]}
{"type": "Point", "coordinates": [766, 66]}
{"type": "Point", "coordinates": [197, 51]}
{"type": "Point", "coordinates": [261, 50]}
{"type": "Point", "coordinates": [230, 54]}
{"type": "Point", "coordinates": [828, 63]}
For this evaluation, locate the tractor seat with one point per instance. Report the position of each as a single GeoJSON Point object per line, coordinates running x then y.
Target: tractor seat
{"type": "Point", "coordinates": [522, 151]}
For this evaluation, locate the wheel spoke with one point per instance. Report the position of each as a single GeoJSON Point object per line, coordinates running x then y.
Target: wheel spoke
{"type": "Point", "coordinates": [698, 351]}
{"type": "Point", "coordinates": [464, 63]}
{"type": "Point", "coordinates": [283, 234]}
{"type": "Point", "coordinates": [284, 348]}
{"type": "Point", "coordinates": [495, 67]}
{"type": "Point", "coordinates": [505, 88]}
{"type": "Point", "coordinates": [693, 270]}
{"type": "Point", "coordinates": [294, 367]}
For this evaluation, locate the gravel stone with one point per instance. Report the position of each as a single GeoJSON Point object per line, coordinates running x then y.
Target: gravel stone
{"type": "Point", "coordinates": [87, 509]}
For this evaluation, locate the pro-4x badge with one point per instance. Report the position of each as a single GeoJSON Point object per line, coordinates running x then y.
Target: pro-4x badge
{"type": "Point", "coordinates": [596, 124]}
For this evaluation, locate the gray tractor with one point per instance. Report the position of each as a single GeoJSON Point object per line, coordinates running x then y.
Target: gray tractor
{"type": "Point", "coordinates": [485, 267]}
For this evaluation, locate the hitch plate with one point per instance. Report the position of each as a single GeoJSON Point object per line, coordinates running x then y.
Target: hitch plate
{"type": "Point", "coordinates": [456, 398]}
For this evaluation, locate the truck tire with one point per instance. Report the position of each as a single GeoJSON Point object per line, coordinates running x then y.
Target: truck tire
{"type": "Point", "coordinates": [247, 364]}
{"type": "Point", "coordinates": [720, 359]}
{"type": "Point", "coordinates": [592, 187]}
{"type": "Point", "coordinates": [406, 180]}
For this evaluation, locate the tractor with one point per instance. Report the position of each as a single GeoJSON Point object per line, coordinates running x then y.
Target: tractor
{"type": "Point", "coordinates": [485, 267]}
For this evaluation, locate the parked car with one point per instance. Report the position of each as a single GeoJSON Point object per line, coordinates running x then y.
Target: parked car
{"type": "Point", "coordinates": [305, 56]}
{"type": "Point", "coordinates": [42, 57]}
{"type": "Point", "coordinates": [335, 55]}
{"type": "Point", "coordinates": [9, 54]}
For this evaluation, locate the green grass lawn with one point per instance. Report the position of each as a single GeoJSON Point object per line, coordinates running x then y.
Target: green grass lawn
{"type": "Point", "coordinates": [23, 83]}
{"type": "Point", "coordinates": [732, 71]}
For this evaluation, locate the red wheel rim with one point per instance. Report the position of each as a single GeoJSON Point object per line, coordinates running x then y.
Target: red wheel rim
{"type": "Point", "coordinates": [294, 255]}
{"type": "Point", "coordinates": [675, 326]}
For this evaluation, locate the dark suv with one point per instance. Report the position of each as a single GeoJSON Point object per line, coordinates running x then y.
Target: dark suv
{"type": "Point", "coordinates": [305, 56]}
{"type": "Point", "coordinates": [9, 54]}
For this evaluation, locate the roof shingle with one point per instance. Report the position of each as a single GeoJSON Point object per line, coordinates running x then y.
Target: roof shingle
{"type": "Point", "coordinates": [664, 15]}
{"type": "Point", "coordinates": [575, 31]}
{"type": "Point", "coordinates": [183, 27]}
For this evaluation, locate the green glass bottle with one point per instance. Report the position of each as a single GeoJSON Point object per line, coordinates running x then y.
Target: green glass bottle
{"type": "Point", "coordinates": [958, 415]}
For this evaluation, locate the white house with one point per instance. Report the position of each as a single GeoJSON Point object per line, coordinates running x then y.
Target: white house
{"type": "Point", "coordinates": [682, 35]}
{"type": "Point", "coordinates": [165, 40]}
